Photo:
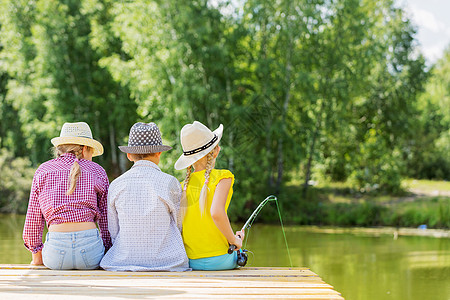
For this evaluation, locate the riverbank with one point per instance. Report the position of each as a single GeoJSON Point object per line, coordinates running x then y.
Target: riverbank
{"type": "Point", "coordinates": [376, 231]}
{"type": "Point", "coordinates": [423, 203]}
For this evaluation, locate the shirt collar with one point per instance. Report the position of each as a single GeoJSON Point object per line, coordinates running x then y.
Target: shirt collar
{"type": "Point", "coordinates": [67, 156]}
{"type": "Point", "coordinates": [70, 157]}
{"type": "Point", "coordinates": [146, 163]}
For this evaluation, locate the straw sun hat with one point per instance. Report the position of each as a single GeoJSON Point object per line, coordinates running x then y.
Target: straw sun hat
{"type": "Point", "coordinates": [197, 141]}
{"type": "Point", "coordinates": [79, 134]}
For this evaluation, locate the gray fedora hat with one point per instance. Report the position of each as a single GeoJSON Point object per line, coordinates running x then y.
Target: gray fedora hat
{"type": "Point", "coordinates": [144, 138]}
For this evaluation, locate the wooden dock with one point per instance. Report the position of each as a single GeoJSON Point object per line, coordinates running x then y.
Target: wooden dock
{"type": "Point", "coordinates": [24, 281]}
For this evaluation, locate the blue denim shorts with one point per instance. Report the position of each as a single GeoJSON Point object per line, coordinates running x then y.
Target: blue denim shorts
{"type": "Point", "coordinates": [81, 250]}
{"type": "Point", "coordinates": [215, 263]}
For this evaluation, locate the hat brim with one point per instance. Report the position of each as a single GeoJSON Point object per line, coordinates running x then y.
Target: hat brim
{"type": "Point", "coordinates": [98, 148]}
{"type": "Point", "coordinates": [185, 161]}
{"type": "Point", "coordinates": [144, 149]}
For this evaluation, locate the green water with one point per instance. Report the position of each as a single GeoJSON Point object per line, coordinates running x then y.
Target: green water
{"type": "Point", "coordinates": [360, 267]}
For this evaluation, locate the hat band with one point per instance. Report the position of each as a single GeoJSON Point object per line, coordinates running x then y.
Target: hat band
{"type": "Point", "coordinates": [197, 150]}
{"type": "Point", "coordinates": [78, 136]}
{"type": "Point", "coordinates": [143, 145]}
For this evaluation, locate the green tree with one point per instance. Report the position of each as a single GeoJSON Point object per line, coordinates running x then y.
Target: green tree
{"type": "Point", "coordinates": [55, 76]}
{"type": "Point", "coordinates": [325, 87]}
{"type": "Point", "coordinates": [384, 110]}
{"type": "Point", "coordinates": [428, 155]}
{"type": "Point", "coordinates": [15, 182]}
{"type": "Point", "coordinates": [11, 136]}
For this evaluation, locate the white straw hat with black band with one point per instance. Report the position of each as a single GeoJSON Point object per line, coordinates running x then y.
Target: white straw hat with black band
{"type": "Point", "coordinates": [144, 138]}
{"type": "Point", "coordinates": [78, 133]}
{"type": "Point", "coordinates": [197, 141]}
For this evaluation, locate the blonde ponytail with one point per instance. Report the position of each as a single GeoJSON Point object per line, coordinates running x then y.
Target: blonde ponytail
{"type": "Point", "coordinates": [204, 191]}
{"type": "Point", "coordinates": [184, 202]}
{"type": "Point", "coordinates": [75, 170]}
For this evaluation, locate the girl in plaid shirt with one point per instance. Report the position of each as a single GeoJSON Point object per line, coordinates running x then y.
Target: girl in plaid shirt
{"type": "Point", "coordinates": [69, 193]}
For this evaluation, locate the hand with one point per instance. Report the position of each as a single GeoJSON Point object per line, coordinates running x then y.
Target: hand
{"type": "Point", "coordinates": [237, 241]}
{"type": "Point", "coordinates": [37, 259]}
{"type": "Point", "coordinates": [241, 234]}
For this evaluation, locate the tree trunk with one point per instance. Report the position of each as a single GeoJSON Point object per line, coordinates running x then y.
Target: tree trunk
{"type": "Point", "coordinates": [265, 83]}
{"type": "Point", "coordinates": [309, 164]}
{"type": "Point", "coordinates": [286, 102]}
{"type": "Point", "coordinates": [112, 142]}
{"type": "Point", "coordinates": [312, 149]}
{"type": "Point", "coordinates": [230, 101]}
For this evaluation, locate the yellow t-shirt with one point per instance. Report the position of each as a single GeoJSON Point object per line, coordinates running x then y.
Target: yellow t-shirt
{"type": "Point", "coordinates": [200, 235]}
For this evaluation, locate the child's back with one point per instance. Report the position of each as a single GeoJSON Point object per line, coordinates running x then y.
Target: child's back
{"type": "Point", "coordinates": [207, 231]}
{"type": "Point", "coordinates": [201, 236]}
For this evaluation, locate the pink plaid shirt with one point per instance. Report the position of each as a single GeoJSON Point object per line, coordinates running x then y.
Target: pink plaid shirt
{"type": "Point", "coordinates": [49, 202]}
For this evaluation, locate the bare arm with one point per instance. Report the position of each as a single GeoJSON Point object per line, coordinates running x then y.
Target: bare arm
{"type": "Point", "coordinates": [37, 259]}
{"type": "Point", "coordinates": [219, 214]}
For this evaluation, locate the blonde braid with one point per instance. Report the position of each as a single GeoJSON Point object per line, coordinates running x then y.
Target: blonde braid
{"type": "Point", "coordinates": [204, 191]}
{"type": "Point", "coordinates": [75, 170]}
{"type": "Point", "coordinates": [184, 203]}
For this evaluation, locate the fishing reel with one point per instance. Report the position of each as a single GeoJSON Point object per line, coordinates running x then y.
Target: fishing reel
{"type": "Point", "coordinates": [242, 257]}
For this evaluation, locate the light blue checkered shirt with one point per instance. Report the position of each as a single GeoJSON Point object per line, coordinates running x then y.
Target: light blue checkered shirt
{"type": "Point", "coordinates": [144, 221]}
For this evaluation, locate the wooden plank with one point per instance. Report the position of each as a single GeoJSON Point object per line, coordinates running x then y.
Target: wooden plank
{"type": "Point", "coordinates": [36, 282]}
{"type": "Point", "coordinates": [241, 273]}
{"type": "Point", "coordinates": [224, 290]}
{"type": "Point", "coordinates": [31, 267]}
{"type": "Point", "coordinates": [23, 281]}
{"type": "Point", "coordinates": [20, 292]}
{"type": "Point", "coordinates": [11, 296]}
{"type": "Point", "coordinates": [254, 272]}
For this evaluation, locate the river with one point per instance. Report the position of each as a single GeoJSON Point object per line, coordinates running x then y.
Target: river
{"type": "Point", "coordinates": [361, 267]}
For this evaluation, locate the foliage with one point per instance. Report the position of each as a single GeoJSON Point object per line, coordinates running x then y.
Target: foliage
{"type": "Point", "coordinates": [55, 77]}
{"type": "Point", "coordinates": [305, 89]}
{"type": "Point", "coordinates": [376, 167]}
{"type": "Point", "coordinates": [429, 149]}
{"type": "Point", "coordinates": [433, 212]}
{"type": "Point", "coordinates": [16, 175]}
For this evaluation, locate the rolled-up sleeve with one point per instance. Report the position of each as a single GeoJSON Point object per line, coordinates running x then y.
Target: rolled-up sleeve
{"type": "Point", "coordinates": [175, 198]}
{"type": "Point", "coordinates": [113, 219]}
{"type": "Point", "coordinates": [34, 221]}
{"type": "Point", "coordinates": [102, 198]}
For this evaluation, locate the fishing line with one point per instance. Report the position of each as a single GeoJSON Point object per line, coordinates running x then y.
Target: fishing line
{"type": "Point", "coordinates": [251, 258]}
{"type": "Point", "coordinates": [284, 234]}
{"type": "Point", "coordinates": [247, 234]}
{"type": "Point", "coordinates": [252, 218]}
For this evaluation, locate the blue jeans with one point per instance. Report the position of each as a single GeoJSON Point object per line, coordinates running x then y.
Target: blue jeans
{"type": "Point", "coordinates": [215, 263]}
{"type": "Point", "coordinates": [73, 250]}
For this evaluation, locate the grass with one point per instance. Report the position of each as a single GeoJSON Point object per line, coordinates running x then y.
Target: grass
{"type": "Point", "coordinates": [427, 185]}
{"type": "Point", "coordinates": [342, 192]}
{"type": "Point", "coordinates": [337, 203]}
{"type": "Point", "coordinates": [432, 211]}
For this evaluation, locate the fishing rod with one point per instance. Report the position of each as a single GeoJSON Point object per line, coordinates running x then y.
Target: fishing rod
{"type": "Point", "coordinates": [252, 218]}
{"type": "Point", "coordinates": [242, 256]}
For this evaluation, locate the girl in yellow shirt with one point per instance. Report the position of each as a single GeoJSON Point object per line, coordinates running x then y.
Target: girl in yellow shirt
{"type": "Point", "coordinates": [207, 192]}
